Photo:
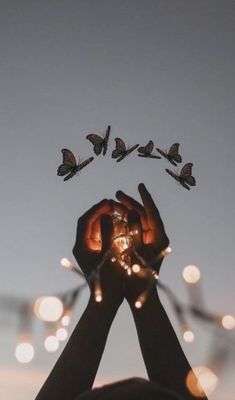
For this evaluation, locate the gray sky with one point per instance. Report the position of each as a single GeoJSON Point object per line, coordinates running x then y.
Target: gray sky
{"type": "Point", "coordinates": [161, 70]}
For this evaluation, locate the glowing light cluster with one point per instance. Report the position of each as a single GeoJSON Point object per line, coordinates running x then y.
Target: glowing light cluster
{"type": "Point", "coordinates": [48, 308]}
{"type": "Point", "coordinates": [24, 352]}
{"type": "Point", "coordinates": [191, 274]}
{"type": "Point", "coordinates": [201, 380]}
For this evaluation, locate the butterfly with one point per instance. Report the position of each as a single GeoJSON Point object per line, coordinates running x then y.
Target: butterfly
{"type": "Point", "coordinates": [121, 151]}
{"type": "Point", "coordinates": [146, 151]}
{"type": "Point", "coordinates": [70, 166]}
{"type": "Point", "coordinates": [100, 143]}
{"type": "Point", "coordinates": [172, 156]}
{"type": "Point", "coordinates": [185, 177]}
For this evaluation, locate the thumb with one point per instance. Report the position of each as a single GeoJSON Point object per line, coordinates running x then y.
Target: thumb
{"type": "Point", "coordinates": [106, 229]}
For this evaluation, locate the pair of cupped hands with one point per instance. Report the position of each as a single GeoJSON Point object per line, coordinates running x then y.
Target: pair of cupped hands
{"type": "Point", "coordinates": [94, 238]}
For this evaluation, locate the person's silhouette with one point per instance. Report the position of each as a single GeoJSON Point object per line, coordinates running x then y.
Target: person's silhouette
{"type": "Point", "coordinates": [74, 373]}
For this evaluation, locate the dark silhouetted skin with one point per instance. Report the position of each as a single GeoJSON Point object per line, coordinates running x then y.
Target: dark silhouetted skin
{"type": "Point", "coordinates": [74, 373]}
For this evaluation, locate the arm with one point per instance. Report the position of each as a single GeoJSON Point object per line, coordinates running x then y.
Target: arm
{"type": "Point", "coordinates": [77, 366]}
{"type": "Point", "coordinates": [164, 358]}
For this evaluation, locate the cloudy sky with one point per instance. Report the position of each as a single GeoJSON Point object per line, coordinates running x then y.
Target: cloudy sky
{"type": "Point", "coordinates": [158, 69]}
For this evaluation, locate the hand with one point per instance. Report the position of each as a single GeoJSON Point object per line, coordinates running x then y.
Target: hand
{"type": "Point", "coordinates": [93, 241]}
{"type": "Point", "coordinates": [151, 240]}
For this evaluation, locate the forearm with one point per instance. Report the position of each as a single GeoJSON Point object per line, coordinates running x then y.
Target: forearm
{"type": "Point", "coordinates": [164, 358]}
{"type": "Point", "coordinates": [76, 368]}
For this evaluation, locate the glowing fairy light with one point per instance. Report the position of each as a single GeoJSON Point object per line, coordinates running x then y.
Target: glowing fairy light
{"type": "Point", "coordinates": [98, 297]}
{"type": "Point", "coordinates": [168, 250]}
{"type": "Point", "coordinates": [61, 334]}
{"type": "Point", "coordinates": [65, 320]}
{"type": "Point", "coordinates": [201, 380]}
{"type": "Point", "coordinates": [113, 259]}
{"type": "Point", "coordinates": [134, 232]}
{"type": "Point", "coordinates": [228, 322]}
{"type": "Point", "coordinates": [188, 336]}
{"type": "Point", "coordinates": [191, 274]}
{"type": "Point", "coordinates": [51, 343]}
{"type": "Point", "coordinates": [66, 263]}
{"type": "Point", "coordinates": [138, 304]}
{"type": "Point", "coordinates": [48, 308]}
{"type": "Point", "coordinates": [135, 268]}
{"type": "Point", "coordinates": [129, 271]}
{"type": "Point", "coordinates": [24, 352]}
{"type": "Point", "coordinates": [122, 243]}
{"type": "Point", "coordinates": [155, 275]}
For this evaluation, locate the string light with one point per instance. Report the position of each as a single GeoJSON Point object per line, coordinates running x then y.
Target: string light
{"type": "Point", "coordinates": [188, 336]}
{"type": "Point", "coordinates": [66, 318]}
{"type": "Point", "coordinates": [138, 304]}
{"type": "Point", "coordinates": [191, 274]}
{"type": "Point", "coordinates": [66, 263]}
{"type": "Point", "coordinates": [24, 352]}
{"type": "Point", "coordinates": [228, 322]}
{"type": "Point", "coordinates": [51, 343]}
{"type": "Point", "coordinates": [61, 334]}
{"type": "Point", "coordinates": [201, 380]}
{"type": "Point", "coordinates": [48, 308]}
{"type": "Point", "coordinates": [135, 268]}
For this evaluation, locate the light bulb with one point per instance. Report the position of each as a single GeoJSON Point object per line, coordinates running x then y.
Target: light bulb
{"type": "Point", "coordinates": [24, 352]}
{"type": "Point", "coordinates": [51, 343]}
{"type": "Point", "coordinates": [191, 274]}
{"type": "Point", "coordinates": [48, 308]}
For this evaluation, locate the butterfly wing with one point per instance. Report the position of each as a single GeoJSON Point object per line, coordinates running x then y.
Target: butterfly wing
{"type": "Point", "coordinates": [186, 174]}
{"type": "Point", "coordinates": [146, 150]}
{"type": "Point", "coordinates": [106, 139]}
{"type": "Point", "coordinates": [97, 141]}
{"type": "Point", "coordinates": [175, 176]}
{"type": "Point", "coordinates": [120, 148]}
{"type": "Point", "coordinates": [69, 166]}
{"type": "Point", "coordinates": [173, 153]}
{"type": "Point", "coordinates": [71, 174]}
{"type": "Point", "coordinates": [84, 163]}
{"type": "Point", "coordinates": [63, 170]}
{"type": "Point", "coordinates": [69, 158]}
{"type": "Point", "coordinates": [186, 170]}
{"type": "Point", "coordinates": [128, 151]}
{"type": "Point", "coordinates": [190, 180]}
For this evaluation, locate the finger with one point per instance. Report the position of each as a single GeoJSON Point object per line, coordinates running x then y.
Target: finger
{"type": "Point", "coordinates": [84, 225]}
{"type": "Point", "coordinates": [134, 223]}
{"type": "Point", "coordinates": [132, 204]}
{"type": "Point", "coordinates": [153, 216]}
{"type": "Point", "coordinates": [106, 228]}
{"type": "Point", "coordinates": [114, 207]}
{"type": "Point", "coordinates": [119, 207]}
